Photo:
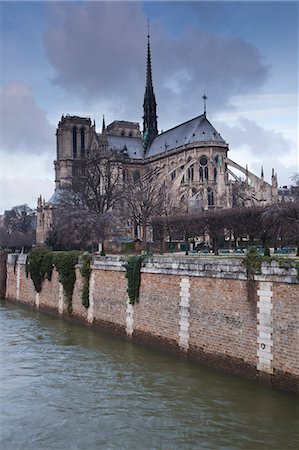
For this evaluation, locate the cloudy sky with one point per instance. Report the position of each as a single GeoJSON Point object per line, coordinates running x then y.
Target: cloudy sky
{"type": "Point", "coordinates": [88, 59]}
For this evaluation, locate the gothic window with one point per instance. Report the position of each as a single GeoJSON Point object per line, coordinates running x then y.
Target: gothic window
{"type": "Point", "coordinates": [136, 176]}
{"type": "Point", "coordinates": [82, 143]}
{"type": "Point", "coordinates": [125, 175]}
{"type": "Point", "coordinates": [210, 194]}
{"type": "Point", "coordinates": [173, 175]}
{"type": "Point", "coordinates": [206, 173]}
{"type": "Point", "coordinates": [203, 161]}
{"type": "Point", "coordinates": [191, 173]}
{"type": "Point", "coordinates": [75, 142]}
{"type": "Point", "coordinates": [215, 175]}
{"type": "Point", "coordinates": [200, 173]}
{"type": "Point", "coordinates": [203, 168]}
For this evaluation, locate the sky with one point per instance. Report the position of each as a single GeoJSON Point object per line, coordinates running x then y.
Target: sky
{"type": "Point", "coordinates": [89, 59]}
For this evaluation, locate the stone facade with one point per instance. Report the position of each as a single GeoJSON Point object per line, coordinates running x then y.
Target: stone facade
{"type": "Point", "coordinates": [197, 307]}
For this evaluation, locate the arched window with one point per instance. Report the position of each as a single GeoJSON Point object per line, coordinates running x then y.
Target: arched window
{"type": "Point", "coordinates": [203, 168]}
{"type": "Point", "coordinates": [136, 176]}
{"type": "Point", "coordinates": [200, 173]}
{"type": "Point", "coordinates": [215, 175]}
{"type": "Point", "coordinates": [210, 194]}
{"type": "Point", "coordinates": [191, 173]}
{"type": "Point", "coordinates": [173, 175]}
{"type": "Point", "coordinates": [206, 173]}
{"type": "Point", "coordinates": [82, 142]}
{"type": "Point", "coordinates": [75, 142]}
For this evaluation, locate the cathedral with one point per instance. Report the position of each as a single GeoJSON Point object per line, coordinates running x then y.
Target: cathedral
{"type": "Point", "coordinates": [191, 160]}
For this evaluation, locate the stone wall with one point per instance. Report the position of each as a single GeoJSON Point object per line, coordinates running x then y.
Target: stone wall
{"type": "Point", "coordinates": [197, 307]}
{"type": "Point", "coordinates": [3, 274]}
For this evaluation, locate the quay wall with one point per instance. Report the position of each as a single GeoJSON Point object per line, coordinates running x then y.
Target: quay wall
{"type": "Point", "coordinates": [197, 307]}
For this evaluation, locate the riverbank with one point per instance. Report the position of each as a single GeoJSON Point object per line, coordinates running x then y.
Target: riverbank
{"type": "Point", "coordinates": [206, 308]}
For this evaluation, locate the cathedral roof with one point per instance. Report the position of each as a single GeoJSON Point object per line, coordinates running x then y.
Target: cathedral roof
{"type": "Point", "coordinates": [132, 145]}
{"type": "Point", "coordinates": [198, 129]}
{"type": "Point", "coordinates": [61, 195]}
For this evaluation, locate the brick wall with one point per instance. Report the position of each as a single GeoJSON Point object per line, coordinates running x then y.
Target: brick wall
{"type": "Point", "coordinates": [156, 314]}
{"type": "Point", "coordinates": [110, 300]}
{"type": "Point", "coordinates": [196, 306]}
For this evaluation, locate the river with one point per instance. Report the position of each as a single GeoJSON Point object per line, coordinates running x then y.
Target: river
{"type": "Point", "coordinates": [64, 386]}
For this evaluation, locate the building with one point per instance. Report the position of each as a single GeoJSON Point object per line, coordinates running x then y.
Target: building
{"type": "Point", "coordinates": [191, 160]}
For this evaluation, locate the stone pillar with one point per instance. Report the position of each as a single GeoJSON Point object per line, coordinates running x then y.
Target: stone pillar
{"type": "Point", "coordinates": [184, 314]}
{"type": "Point", "coordinates": [129, 319]}
{"type": "Point", "coordinates": [37, 300]}
{"type": "Point", "coordinates": [60, 299]}
{"type": "Point", "coordinates": [265, 328]}
{"type": "Point", "coordinates": [91, 298]}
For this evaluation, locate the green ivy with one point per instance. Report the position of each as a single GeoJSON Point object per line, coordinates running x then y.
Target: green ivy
{"type": "Point", "coordinates": [65, 263]}
{"type": "Point", "coordinates": [253, 264]}
{"type": "Point", "coordinates": [133, 275]}
{"type": "Point", "coordinates": [48, 265]}
{"type": "Point", "coordinates": [85, 272]}
{"type": "Point", "coordinates": [36, 268]}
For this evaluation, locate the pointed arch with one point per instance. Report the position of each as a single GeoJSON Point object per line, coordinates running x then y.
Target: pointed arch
{"type": "Point", "coordinates": [74, 142]}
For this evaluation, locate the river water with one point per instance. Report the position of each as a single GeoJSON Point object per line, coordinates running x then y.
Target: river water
{"type": "Point", "coordinates": [63, 386]}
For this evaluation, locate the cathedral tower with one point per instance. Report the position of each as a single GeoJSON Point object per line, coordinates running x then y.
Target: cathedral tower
{"type": "Point", "coordinates": [150, 126]}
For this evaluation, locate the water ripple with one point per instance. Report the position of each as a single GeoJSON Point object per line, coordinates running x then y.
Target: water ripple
{"type": "Point", "coordinates": [66, 387]}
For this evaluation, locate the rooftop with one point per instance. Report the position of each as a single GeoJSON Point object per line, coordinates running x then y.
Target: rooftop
{"type": "Point", "coordinates": [195, 130]}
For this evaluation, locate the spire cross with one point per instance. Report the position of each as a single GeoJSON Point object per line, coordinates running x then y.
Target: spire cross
{"type": "Point", "coordinates": [148, 28]}
{"type": "Point", "coordinates": [204, 97]}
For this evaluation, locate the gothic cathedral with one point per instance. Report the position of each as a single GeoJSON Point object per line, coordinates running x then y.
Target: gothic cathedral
{"type": "Point", "coordinates": [191, 160]}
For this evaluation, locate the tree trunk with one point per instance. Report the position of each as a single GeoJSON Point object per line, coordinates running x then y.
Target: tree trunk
{"type": "Point", "coordinates": [216, 245]}
{"type": "Point", "coordinates": [186, 246]}
{"type": "Point", "coordinates": [144, 237]}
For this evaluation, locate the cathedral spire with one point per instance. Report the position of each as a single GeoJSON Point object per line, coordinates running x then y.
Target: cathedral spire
{"type": "Point", "coordinates": [150, 126]}
{"type": "Point", "coordinates": [103, 125]}
{"type": "Point", "coordinates": [205, 98]}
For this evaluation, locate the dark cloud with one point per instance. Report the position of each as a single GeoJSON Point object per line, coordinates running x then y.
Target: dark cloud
{"type": "Point", "coordinates": [98, 51]}
{"type": "Point", "coordinates": [23, 124]}
{"type": "Point", "coordinates": [260, 146]}
{"type": "Point", "coordinates": [258, 140]}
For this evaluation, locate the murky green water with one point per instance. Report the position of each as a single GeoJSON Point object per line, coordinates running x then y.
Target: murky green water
{"type": "Point", "coordinates": [67, 387]}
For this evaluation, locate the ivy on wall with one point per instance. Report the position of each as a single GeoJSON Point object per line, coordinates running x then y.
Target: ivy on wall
{"type": "Point", "coordinates": [85, 271]}
{"type": "Point", "coordinates": [133, 275]}
{"type": "Point", "coordinates": [40, 264]}
{"type": "Point", "coordinates": [65, 263]}
{"type": "Point", "coordinates": [253, 264]}
{"type": "Point", "coordinates": [37, 268]}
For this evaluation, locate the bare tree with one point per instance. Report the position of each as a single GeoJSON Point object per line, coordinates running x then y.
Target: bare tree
{"type": "Point", "coordinates": [15, 240]}
{"type": "Point", "coordinates": [20, 218]}
{"type": "Point", "coordinates": [282, 220]}
{"type": "Point", "coordinates": [80, 229]}
{"type": "Point", "coordinates": [142, 199]}
{"type": "Point", "coordinates": [98, 187]}
{"type": "Point", "coordinates": [295, 187]}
